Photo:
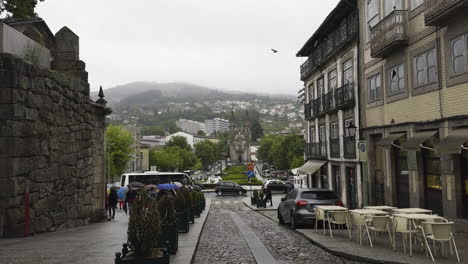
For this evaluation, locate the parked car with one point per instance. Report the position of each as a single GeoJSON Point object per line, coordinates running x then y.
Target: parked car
{"type": "Point", "coordinates": [276, 185]}
{"type": "Point", "coordinates": [297, 207]}
{"type": "Point", "coordinates": [227, 187]}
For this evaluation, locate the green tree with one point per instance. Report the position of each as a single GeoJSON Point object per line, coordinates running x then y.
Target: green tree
{"type": "Point", "coordinates": [173, 129]}
{"type": "Point", "coordinates": [266, 144]}
{"type": "Point", "coordinates": [201, 133]}
{"type": "Point", "coordinates": [153, 130]}
{"type": "Point", "coordinates": [285, 152]}
{"type": "Point", "coordinates": [19, 8]}
{"type": "Point", "coordinates": [297, 162]}
{"type": "Point", "coordinates": [256, 130]}
{"type": "Point", "coordinates": [179, 141]}
{"type": "Point", "coordinates": [173, 158]}
{"type": "Point", "coordinates": [207, 152]}
{"type": "Point", "coordinates": [119, 149]}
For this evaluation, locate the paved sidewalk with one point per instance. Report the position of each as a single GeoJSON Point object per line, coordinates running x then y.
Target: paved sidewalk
{"type": "Point", "coordinates": [188, 241]}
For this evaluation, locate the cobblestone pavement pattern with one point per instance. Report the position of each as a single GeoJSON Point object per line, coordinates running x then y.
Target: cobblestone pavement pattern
{"type": "Point", "coordinates": [221, 241]}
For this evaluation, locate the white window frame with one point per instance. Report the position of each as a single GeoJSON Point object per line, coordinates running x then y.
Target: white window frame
{"type": "Point", "coordinates": [372, 19]}
{"type": "Point", "coordinates": [321, 87]}
{"type": "Point", "coordinates": [347, 122]}
{"type": "Point", "coordinates": [464, 54]}
{"type": "Point", "coordinates": [334, 130]}
{"type": "Point", "coordinates": [312, 137]}
{"type": "Point", "coordinates": [346, 69]}
{"type": "Point", "coordinates": [376, 88]}
{"type": "Point", "coordinates": [332, 77]}
{"type": "Point", "coordinates": [426, 68]}
{"type": "Point", "coordinates": [397, 81]}
{"type": "Point", "coordinates": [311, 92]}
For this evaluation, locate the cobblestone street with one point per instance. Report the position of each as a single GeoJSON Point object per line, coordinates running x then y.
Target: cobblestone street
{"type": "Point", "coordinates": [223, 242]}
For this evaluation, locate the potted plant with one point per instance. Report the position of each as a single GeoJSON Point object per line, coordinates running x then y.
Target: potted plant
{"type": "Point", "coordinates": [195, 203]}
{"type": "Point", "coordinates": [202, 201]}
{"type": "Point", "coordinates": [169, 232]}
{"type": "Point", "coordinates": [189, 205]}
{"type": "Point", "coordinates": [143, 234]}
{"type": "Point", "coordinates": [261, 200]}
{"type": "Point", "coordinates": [182, 212]}
{"type": "Point", "coordinates": [254, 198]}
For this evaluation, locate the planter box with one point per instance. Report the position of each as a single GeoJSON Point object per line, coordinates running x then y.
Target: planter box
{"type": "Point", "coordinates": [164, 259]}
{"type": "Point", "coordinates": [182, 220]}
{"type": "Point", "coordinates": [191, 216]}
{"type": "Point", "coordinates": [196, 210]}
{"type": "Point", "coordinates": [169, 236]}
{"type": "Point", "coordinates": [261, 203]}
{"type": "Point", "coordinates": [253, 200]}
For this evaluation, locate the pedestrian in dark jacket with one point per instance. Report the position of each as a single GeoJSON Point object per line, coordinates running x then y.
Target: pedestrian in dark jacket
{"type": "Point", "coordinates": [130, 197]}
{"type": "Point", "coordinates": [112, 201]}
{"type": "Point", "coordinates": [268, 196]}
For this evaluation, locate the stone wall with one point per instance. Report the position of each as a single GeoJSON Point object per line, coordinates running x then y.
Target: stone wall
{"type": "Point", "coordinates": [52, 145]}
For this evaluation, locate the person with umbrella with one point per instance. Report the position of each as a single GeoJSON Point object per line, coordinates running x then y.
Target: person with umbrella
{"type": "Point", "coordinates": [121, 197]}
{"type": "Point", "coordinates": [112, 202]}
{"type": "Point", "coordinates": [130, 197]}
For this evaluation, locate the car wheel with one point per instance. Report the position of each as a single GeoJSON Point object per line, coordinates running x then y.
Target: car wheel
{"type": "Point", "coordinates": [280, 218]}
{"type": "Point", "coordinates": [292, 221]}
{"type": "Point", "coordinates": [241, 192]}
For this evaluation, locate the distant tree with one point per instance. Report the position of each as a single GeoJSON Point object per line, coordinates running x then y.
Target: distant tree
{"type": "Point", "coordinates": [19, 8]}
{"type": "Point", "coordinates": [201, 133]}
{"type": "Point", "coordinates": [173, 129]}
{"type": "Point", "coordinates": [178, 141]}
{"type": "Point", "coordinates": [153, 130]}
{"type": "Point", "coordinates": [174, 157]}
{"type": "Point", "coordinates": [285, 152]}
{"type": "Point", "coordinates": [256, 130]}
{"type": "Point", "coordinates": [119, 149]}
{"type": "Point", "coordinates": [297, 162]}
{"type": "Point", "coordinates": [206, 151]}
{"type": "Point", "coordinates": [266, 144]}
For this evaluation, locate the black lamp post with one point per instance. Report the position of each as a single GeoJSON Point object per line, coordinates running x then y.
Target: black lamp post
{"type": "Point", "coordinates": [351, 130]}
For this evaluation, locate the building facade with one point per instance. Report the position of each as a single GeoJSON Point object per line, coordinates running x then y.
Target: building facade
{"type": "Point", "coordinates": [216, 125]}
{"type": "Point", "coordinates": [330, 76]}
{"type": "Point", "coordinates": [190, 126]}
{"type": "Point", "coordinates": [414, 110]}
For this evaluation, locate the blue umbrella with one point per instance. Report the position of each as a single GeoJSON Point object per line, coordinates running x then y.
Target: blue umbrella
{"type": "Point", "coordinates": [167, 186]}
{"type": "Point", "coordinates": [122, 192]}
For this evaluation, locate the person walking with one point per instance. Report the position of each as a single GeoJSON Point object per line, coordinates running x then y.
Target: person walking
{"type": "Point", "coordinates": [112, 201]}
{"type": "Point", "coordinates": [121, 196]}
{"type": "Point", "coordinates": [268, 196]}
{"type": "Point", "coordinates": [130, 198]}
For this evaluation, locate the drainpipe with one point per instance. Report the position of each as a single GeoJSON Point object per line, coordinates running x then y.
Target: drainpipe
{"type": "Point", "coordinates": [27, 217]}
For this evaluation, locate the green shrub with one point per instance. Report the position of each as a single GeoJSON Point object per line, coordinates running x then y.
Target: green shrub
{"type": "Point", "coordinates": [167, 210]}
{"type": "Point", "coordinates": [187, 198]}
{"type": "Point", "coordinates": [180, 201]}
{"type": "Point", "coordinates": [143, 226]}
{"type": "Point", "coordinates": [255, 194]}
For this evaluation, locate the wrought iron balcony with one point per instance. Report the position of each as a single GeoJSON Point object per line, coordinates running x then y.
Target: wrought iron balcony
{"type": "Point", "coordinates": [317, 107]}
{"type": "Point", "coordinates": [438, 11]}
{"type": "Point", "coordinates": [314, 150]}
{"type": "Point", "coordinates": [349, 147]}
{"type": "Point", "coordinates": [344, 96]}
{"type": "Point", "coordinates": [308, 111]}
{"type": "Point", "coordinates": [306, 68]}
{"type": "Point", "coordinates": [334, 147]}
{"type": "Point", "coordinates": [389, 34]}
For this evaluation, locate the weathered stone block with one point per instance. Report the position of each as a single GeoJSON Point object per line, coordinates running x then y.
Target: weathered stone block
{"type": "Point", "coordinates": [14, 215]}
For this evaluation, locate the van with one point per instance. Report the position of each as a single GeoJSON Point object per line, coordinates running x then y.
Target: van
{"type": "Point", "coordinates": [154, 177]}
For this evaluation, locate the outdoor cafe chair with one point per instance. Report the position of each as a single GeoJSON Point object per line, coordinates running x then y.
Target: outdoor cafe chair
{"type": "Point", "coordinates": [336, 218]}
{"type": "Point", "coordinates": [400, 225]}
{"type": "Point", "coordinates": [441, 232]}
{"type": "Point", "coordinates": [377, 224]}
{"type": "Point", "coordinates": [320, 216]}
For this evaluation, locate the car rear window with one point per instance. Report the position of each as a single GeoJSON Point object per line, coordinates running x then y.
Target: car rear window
{"type": "Point", "coordinates": [319, 195]}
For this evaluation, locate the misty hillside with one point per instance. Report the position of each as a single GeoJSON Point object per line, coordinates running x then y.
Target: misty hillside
{"type": "Point", "coordinates": [152, 92]}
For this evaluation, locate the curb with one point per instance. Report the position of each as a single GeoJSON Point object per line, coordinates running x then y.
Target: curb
{"type": "Point", "coordinates": [332, 251]}
{"type": "Point", "coordinates": [199, 236]}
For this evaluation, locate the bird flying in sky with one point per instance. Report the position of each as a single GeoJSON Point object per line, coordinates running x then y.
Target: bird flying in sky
{"type": "Point", "coordinates": [274, 51]}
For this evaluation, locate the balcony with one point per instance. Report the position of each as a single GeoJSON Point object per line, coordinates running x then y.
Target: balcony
{"type": "Point", "coordinates": [349, 147]}
{"type": "Point", "coordinates": [389, 34]}
{"type": "Point", "coordinates": [335, 147]}
{"type": "Point", "coordinates": [317, 107]}
{"type": "Point", "coordinates": [344, 96]}
{"type": "Point", "coordinates": [314, 150]}
{"type": "Point", "coordinates": [329, 102]}
{"type": "Point", "coordinates": [437, 12]}
{"type": "Point", "coordinates": [306, 68]}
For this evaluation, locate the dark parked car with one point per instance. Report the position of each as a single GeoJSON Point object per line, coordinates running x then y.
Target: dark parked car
{"type": "Point", "coordinates": [276, 185]}
{"type": "Point", "coordinates": [297, 208]}
{"type": "Point", "coordinates": [229, 188]}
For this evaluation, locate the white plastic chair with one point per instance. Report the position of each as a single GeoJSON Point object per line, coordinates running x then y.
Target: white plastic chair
{"type": "Point", "coordinates": [320, 216]}
{"type": "Point", "coordinates": [378, 224]}
{"type": "Point", "coordinates": [441, 232]}
{"type": "Point", "coordinates": [336, 218]}
{"type": "Point", "coordinates": [401, 225]}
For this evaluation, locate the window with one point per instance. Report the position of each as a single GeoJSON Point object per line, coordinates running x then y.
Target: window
{"type": "Point", "coordinates": [374, 83]}
{"type": "Point", "coordinates": [312, 134]}
{"type": "Point", "coordinates": [390, 5]}
{"type": "Point", "coordinates": [396, 77]}
{"type": "Point", "coordinates": [331, 80]}
{"type": "Point", "coordinates": [347, 122]}
{"type": "Point", "coordinates": [320, 87]}
{"type": "Point", "coordinates": [348, 71]}
{"type": "Point", "coordinates": [334, 130]}
{"type": "Point", "coordinates": [416, 3]}
{"type": "Point", "coordinates": [425, 68]}
{"type": "Point", "coordinates": [372, 16]}
{"type": "Point", "coordinates": [323, 143]}
{"type": "Point", "coordinates": [459, 55]}
{"type": "Point", "coordinates": [311, 91]}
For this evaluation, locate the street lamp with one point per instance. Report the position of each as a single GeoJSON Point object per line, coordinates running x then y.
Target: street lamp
{"type": "Point", "coordinates": [351, 128]}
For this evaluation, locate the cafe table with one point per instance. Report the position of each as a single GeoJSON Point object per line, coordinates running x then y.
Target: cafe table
{"type": "Point", "coordinates": [381, 207]}
{"type": "Point", "coordinates": [411, 211]}
{"type": "Point", "coordinates": [357, 219]}
{"type": "Point", "coordinates": [412, 218]}
{"type": "Point", "coordinates": [327, 208]}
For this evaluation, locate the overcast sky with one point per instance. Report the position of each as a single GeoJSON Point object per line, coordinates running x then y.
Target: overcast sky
{"type": "Point", "coordinates": [223, 44]}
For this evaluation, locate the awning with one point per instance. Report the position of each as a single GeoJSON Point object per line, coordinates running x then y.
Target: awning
{"type": "Point", "coordinates": [453, 142]}
{"type": "Point", "coordinates": [387, 141]}
{"type": "Point", "coordinates": [414, 142]}
{"type": "Point", "coordinates": [294, 171]}
{"type": "Point", "coordinates": [310, 166]}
